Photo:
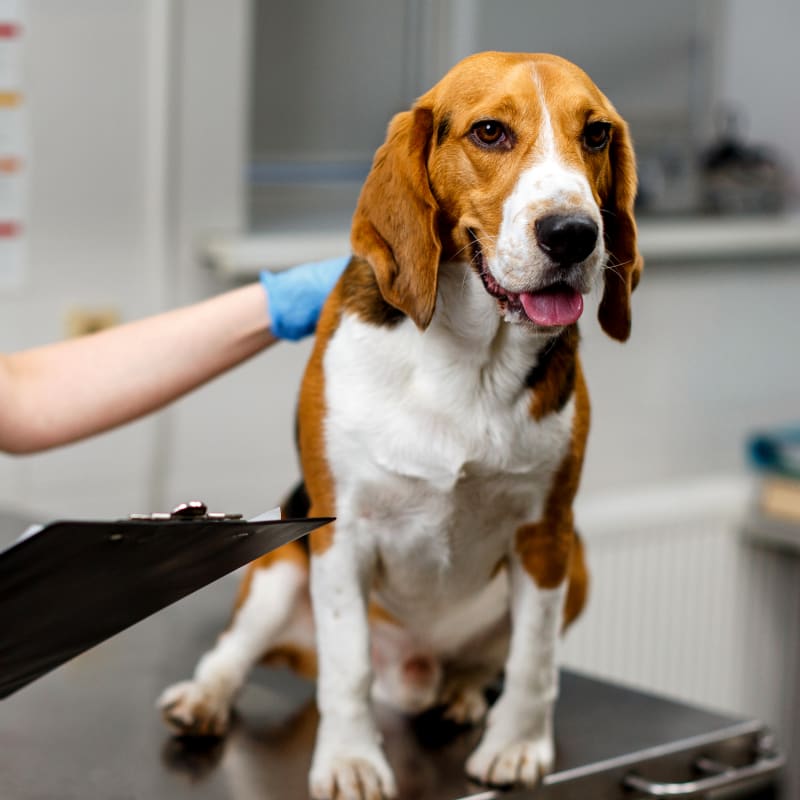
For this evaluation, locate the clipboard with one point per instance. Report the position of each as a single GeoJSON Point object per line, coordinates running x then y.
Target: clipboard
{"type": "Point", "coordinates": [73, 584]}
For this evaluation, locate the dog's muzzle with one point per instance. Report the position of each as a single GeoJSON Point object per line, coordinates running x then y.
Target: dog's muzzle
{"type": "Point", "coordinates": [557, 301]}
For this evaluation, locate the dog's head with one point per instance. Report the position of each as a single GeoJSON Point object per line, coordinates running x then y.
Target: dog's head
{"type": "Point", "coordinates": [521, 162]}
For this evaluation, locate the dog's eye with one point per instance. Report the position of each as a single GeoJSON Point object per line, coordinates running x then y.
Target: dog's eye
{"type": "Point", "coordinates": [490, 133]}
{"type": "Point", "coordinates": [596, 135]}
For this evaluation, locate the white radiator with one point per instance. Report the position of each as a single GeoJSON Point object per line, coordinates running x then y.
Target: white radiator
{"type": "Point", "coordinates": [681, 605]}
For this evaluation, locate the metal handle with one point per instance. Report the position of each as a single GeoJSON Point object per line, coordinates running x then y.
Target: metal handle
{"type": "Point", "coordinates": [722, 777]}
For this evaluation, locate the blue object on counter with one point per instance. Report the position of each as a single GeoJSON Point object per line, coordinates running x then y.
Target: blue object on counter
{"type": "Point", "coordinates": [776, 451]}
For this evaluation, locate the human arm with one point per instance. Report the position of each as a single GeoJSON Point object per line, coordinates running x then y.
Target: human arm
{"type": "Point", "coordinates": [72, 389]}
{"type": "Point", "coordinates": [69, 390]}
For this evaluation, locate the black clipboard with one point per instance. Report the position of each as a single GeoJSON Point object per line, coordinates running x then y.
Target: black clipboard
{"type": "Point", "coordinates": [74, 584]}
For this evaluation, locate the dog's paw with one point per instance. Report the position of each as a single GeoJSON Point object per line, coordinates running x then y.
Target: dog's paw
{"type": "Point", "coordinates": [191, 709]}
{"type": "Point", "coordinates": [522, 762]}
{"type": "Point", "coordinates": [466, 707]}
{"type": "Point", "coordinates": [352, 776]}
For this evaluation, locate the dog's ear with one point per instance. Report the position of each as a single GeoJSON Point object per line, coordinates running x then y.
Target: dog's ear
{"type": "Point", "coordinates": [395, 222]}
{"type": "Point", "coordinates": [624, 261]}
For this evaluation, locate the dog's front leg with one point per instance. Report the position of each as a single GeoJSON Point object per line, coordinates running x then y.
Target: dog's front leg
{"type": "Point", "coordinates": [517, 747]}
{"type": "Point", "coordinates": [348, 763]}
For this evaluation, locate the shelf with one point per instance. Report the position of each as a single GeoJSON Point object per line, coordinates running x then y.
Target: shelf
{"type": "Point", "coordinates": [661, 241]}
{"type": "Point", "coordinates": [719, 238]}
{"type": "Point", "coordinates": [244, 256]}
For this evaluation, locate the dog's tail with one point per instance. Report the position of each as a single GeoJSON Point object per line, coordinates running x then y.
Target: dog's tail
{"type": "Point", "coordinates": [578, 588]}
{"type": "Point", "coordinates": [297, 503]}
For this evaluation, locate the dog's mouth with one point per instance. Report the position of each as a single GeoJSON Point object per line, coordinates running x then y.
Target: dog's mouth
{"type": "Point", "coordinates": [551, 305]}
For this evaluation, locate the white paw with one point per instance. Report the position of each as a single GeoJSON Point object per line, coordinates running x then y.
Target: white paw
{"type": "Point", "coordinates": [466, 707]}
{"type": "Point", "coordinates": [349, 763]}
{"type": "Point", "coordinates": [353, 778]}
{"type": "Point", "coordinates": [522, 762]}
{"type": "Point", "coordinates": [191, 709]}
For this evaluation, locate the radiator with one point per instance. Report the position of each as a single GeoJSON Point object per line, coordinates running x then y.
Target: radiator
{"type": "Point", "coordinates": [682, 605]}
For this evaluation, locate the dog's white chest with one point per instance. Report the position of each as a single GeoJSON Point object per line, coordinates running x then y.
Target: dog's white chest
{"type": "Point", "coordinates": [435, 457]}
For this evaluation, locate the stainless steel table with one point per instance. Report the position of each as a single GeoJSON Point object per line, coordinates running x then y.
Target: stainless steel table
{"type": "Point", "coordinates": [90, 730]}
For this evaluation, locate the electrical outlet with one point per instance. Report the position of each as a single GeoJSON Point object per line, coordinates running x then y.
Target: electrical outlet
{"type": "Point", "coordinates": [81, 321]}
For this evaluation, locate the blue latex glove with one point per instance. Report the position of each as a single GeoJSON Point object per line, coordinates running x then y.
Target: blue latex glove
{"type": "Point", "coordinates": [296, 295]}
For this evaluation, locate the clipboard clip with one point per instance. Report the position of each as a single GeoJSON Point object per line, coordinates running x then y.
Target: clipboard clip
{"type": "Point", "coordinates": [191, 511]}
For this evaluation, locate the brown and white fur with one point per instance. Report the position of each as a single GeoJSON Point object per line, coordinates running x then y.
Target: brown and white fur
{"type": "Point", "coordinates": [442, 421]}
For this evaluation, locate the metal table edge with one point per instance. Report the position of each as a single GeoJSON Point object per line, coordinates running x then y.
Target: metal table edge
{"type": "Point", "coordinates": [627, 761]}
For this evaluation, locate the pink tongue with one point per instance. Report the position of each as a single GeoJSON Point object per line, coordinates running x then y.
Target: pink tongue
{"type": "Point", "coordinates": [560, 307]}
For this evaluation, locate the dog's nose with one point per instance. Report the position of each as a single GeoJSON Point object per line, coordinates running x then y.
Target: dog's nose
{"type": "Point", "coordinates": [566, 238]}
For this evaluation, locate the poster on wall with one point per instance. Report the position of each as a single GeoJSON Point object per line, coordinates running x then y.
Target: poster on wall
{"type": "Point", "coordinates": [13, 149]}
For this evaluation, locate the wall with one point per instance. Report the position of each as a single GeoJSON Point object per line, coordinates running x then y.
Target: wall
{"type": "Point", "coordinates": [123, 188]}
{"type": "Point", "coordinates": [709, 359]}
{"type": "Point", "coordinates": [88, 245]}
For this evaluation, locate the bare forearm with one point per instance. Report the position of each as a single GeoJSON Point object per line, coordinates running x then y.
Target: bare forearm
{"type": "Point", "coordinates": [67, 391]}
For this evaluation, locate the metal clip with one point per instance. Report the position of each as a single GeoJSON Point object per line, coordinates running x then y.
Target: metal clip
{"type": "Point", "coordinates": [193, 510]}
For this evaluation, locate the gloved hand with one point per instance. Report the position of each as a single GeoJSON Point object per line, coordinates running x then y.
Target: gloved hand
{"type": "Point", "coordinates": [295, 296]}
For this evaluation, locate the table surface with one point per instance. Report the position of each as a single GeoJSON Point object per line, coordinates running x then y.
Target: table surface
{"type": "Point", "coordinates": [90, 728]}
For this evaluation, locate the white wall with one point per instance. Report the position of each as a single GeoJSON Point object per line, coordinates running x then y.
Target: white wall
{"type": "Point", "coordinates": [712, 355]}
{"type": "Point", "coordinates": [87, 100]}
{"type": "Point", "coordinates": [121, 188]}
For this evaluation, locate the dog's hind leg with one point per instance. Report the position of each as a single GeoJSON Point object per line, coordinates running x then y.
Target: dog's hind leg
{"type": "Point", "coordinates": [272, 603]}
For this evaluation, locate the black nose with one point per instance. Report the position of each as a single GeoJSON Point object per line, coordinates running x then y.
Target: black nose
{"type": "Point", "coordinates": [566, 238]}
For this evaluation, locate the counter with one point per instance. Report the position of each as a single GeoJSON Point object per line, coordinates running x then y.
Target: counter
{"type": "Point", "coordinates": [667, 240]}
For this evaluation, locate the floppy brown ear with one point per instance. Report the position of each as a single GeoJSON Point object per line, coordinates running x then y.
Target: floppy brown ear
{"type": "Point", "coordinates": [394, 225]}
{"type": "Point", "coordinates": [624, 261]}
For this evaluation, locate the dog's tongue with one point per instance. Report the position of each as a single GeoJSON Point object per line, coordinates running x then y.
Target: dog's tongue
{"type": "Point", "coordinates": [559, 306]}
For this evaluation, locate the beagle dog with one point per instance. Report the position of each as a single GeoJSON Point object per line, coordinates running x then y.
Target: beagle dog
{"type": "Point", "coordinates": [442, 420]}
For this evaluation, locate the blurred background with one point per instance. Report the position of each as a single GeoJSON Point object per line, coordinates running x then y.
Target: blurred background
{"type": "Point", "coordinates": [157, 152]}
